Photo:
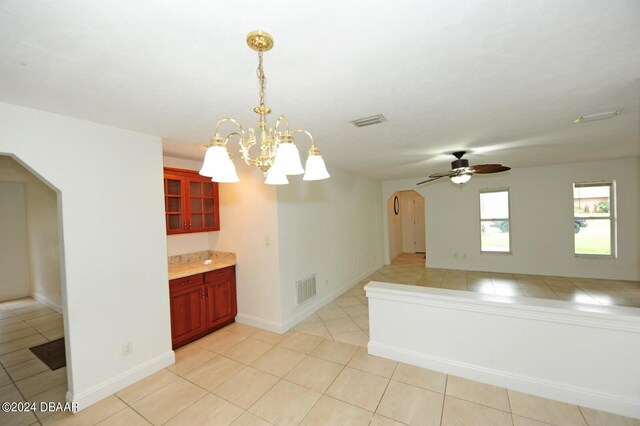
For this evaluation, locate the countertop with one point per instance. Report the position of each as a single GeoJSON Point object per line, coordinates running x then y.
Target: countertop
{"type": "Point", "coordinates": [217, 261]}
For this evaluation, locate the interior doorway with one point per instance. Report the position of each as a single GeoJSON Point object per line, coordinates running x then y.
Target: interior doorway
{"type": "Point", "coordinates": [32, 306]}
{"type": "Point", "coordinates": [406, 219]}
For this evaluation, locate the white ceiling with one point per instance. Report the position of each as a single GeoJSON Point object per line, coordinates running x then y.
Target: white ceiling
{"type": "Point", "coordinates": [504, 79]}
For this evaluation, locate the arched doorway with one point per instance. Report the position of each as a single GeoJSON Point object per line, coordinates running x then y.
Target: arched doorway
{"type": "Point", "coordinates": [32, 290]}
{"type": "Point", "coordinates": [406, 223]}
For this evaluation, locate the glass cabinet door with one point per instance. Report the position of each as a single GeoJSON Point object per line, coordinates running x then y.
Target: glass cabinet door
{"type": "Point", "coordinates": [202, 203]}
{"type": "Point", "coordinates": [173, 204]}
{"type": "Point", "coordinates": [190, 202]}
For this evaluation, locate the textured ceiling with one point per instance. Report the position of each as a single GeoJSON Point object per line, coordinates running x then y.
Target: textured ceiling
{"type": "Point", "coordinates": [503, 79]}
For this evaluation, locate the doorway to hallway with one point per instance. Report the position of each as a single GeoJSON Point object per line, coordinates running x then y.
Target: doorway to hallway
{"type": "Point", "coordinates": [406, 219]}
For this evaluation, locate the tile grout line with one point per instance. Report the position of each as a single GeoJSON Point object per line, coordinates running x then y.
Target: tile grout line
{"type": "Point", "coordinates": [385, 389]}
{"type": "Point", "coordinates": [510, 409]}
{"type": "Point", "coordinates": [321, 394]}
{"type": "Point", "coordinates": [13, 382]}
{"type": "Point", "coordinates": [582, 414]}
{"type": "Point", "coordinates": [221, 384]}
{"type": "Point", "coordinates": [444, 398]}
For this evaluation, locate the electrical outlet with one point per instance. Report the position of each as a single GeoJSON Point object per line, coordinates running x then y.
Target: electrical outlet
{"type": "Point", "coordinates": [127, 349]}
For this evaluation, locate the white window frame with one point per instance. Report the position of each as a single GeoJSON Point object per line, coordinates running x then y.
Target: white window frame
{"type": "Point", "coordinates": [508, 219]}
{"type": "Point", "coordinates": [612, 217]}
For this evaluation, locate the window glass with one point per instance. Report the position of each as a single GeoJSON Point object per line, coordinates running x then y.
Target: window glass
{"type": "Point", "coordinates": [495, 223]}
{"type": "Point", "coordinates": [594, 219]}
{"type": "Point", "coordinates": [494, 205]}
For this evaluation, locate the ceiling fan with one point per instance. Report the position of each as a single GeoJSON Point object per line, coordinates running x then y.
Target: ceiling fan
{"type": "Point", "coordinates": [461, 172]}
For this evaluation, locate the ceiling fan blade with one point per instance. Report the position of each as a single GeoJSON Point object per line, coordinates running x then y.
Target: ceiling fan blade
{"type": "Point", "coordinates": [429, 180]}
{"type": "Point", "coordinates": [443, 174]}
{"type": "Point", "coordinates": [489, 168]}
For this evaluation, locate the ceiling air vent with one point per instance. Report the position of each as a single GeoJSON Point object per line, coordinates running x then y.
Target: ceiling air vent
{"type": "Point", "coordinates": [368, 121]}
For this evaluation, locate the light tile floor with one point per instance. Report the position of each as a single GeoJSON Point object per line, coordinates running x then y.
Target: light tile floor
{"type": "Point", "coordinates": [346, 319]}
{"type": "Point", "coordinates": [302, 379]}
{"type": "Point", "coordinates": [409, 269]}
{"type": "Point", "coordinates": [317, 374]}
{"type": "Point", "coordinates": [23, 377]}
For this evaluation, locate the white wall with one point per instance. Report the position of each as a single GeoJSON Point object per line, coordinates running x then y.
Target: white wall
{"type": "Point", "coordinates": [14, 263]}
{"type": "Point", "coordinates": [44, 252]}
{"type": "Point", "coordinates": [114, 280]}
{"type": "Point", "coordinates": [249, 228]}
{"type": "Point", "coordinates": [395, 227]}
{"type": "Point", "coordinates": [408, 227]}
{"type": "Point", "coordinates": [542, 238]}
{"type": "Point", "coordinates": [331, 228]}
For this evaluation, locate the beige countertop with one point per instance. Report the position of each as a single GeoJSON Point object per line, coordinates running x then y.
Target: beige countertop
{"type": "Point", "coordinates": [216, 260]}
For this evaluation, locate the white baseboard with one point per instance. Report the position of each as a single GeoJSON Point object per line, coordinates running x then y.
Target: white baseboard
{"type": "Point", "coordinates": [530, 385]}
{"type": "Point", "coordinates": [47, 302]}
{"type": "Point", "coordinates": [121, 381]}
{"type": "Point", "coordinates": [275, 327]}
{"type": "Point", "coordinates": [6, 297]}
{"type": "Point", "coordinates": [308, 309]}
{"type": "Point", "coordinates": [314, 305]}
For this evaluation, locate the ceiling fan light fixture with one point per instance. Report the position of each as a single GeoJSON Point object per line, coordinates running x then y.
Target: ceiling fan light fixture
{"type": "Point", "coordinates": [460, 179]}
{"type": "Point", "coordinates": [461, 172]}
{"type": "Point", "coordinates": [598, 116]}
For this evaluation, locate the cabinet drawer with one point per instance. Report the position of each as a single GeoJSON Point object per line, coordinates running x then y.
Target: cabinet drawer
{"type": "Point", "coordinates": [220, 274]}
{"type": "Point", "coordinates": [183, 282]}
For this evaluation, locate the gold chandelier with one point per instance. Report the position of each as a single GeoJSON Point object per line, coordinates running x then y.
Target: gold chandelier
{"type": "Point", "coordinates": [279, 156]}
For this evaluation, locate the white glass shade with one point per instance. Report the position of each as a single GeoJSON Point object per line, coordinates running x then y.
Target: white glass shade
{"type": "Point", "coordinates": [315, 168]}
{"type": "Point", "coordinates": [288, 159]}
{"type": "Point", "coordinates": [276, 177]}
{"type": "Point", "coordinates": [460, 179]}
{"type": "Point", "coordinates": [218, 166]}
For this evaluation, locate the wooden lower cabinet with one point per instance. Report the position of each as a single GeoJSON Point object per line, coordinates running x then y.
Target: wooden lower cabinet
{"type": "Point", "coordinates": [220, 291]}
{"type": "Point", "coordinates": [201, 304]}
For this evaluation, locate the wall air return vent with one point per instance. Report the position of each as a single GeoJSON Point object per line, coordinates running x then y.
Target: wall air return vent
{"type": "Point", "coordinates": [305, 289]}
{"type": "Point", "coordinates": [368, 121]}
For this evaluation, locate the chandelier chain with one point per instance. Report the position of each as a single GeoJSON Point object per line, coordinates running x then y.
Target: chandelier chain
{"type": "Point", "coordinates": [261, 78]}
{"type": "Point", "coordinates": [276, 144]}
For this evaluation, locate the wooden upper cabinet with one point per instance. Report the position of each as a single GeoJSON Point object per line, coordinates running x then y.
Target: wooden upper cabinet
{"type": "Point", "coordinates": [191, 202]}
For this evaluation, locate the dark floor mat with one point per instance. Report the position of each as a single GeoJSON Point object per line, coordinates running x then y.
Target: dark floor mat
{"type": "Point", "coordinates": [51, 353]}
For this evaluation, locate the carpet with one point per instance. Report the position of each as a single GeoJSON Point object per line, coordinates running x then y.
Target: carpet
{"type": "Point", "coordinates": [51, 353]}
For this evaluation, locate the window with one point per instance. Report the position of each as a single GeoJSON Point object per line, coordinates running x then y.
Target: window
{"type": "Point", "coordinates": [594, 221]}
{"type": "Point", "coordinates": [494, 221]}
